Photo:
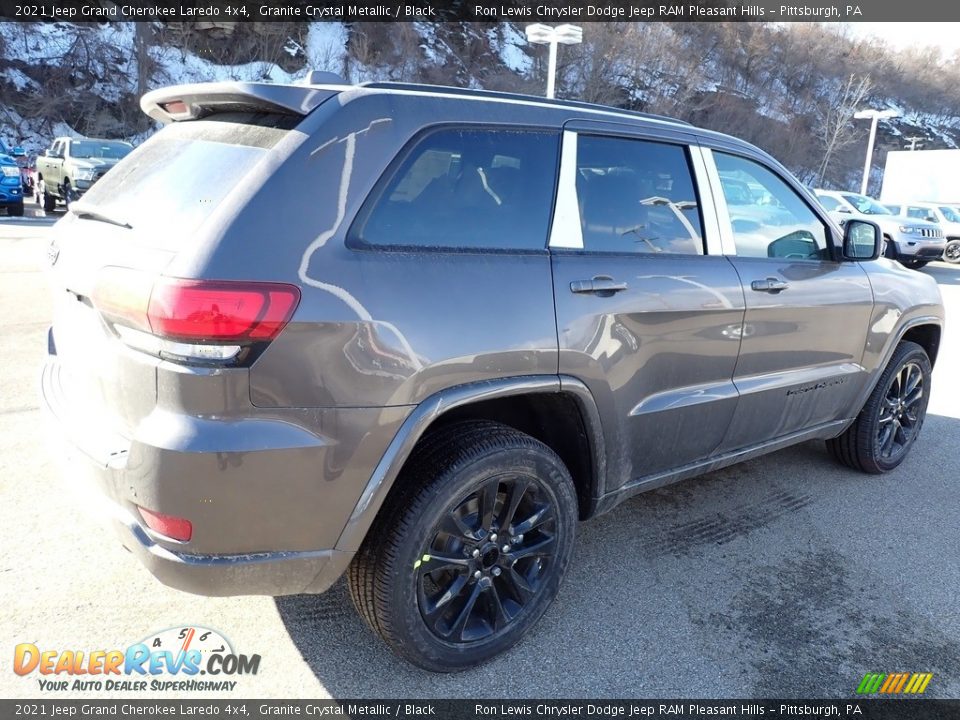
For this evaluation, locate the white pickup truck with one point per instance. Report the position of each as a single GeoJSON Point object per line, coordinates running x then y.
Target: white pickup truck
{"type": "Point", "coordinates": [70, 166]}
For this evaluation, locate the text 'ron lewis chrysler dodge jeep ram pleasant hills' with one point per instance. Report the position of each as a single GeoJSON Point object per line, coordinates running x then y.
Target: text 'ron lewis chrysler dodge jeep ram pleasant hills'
{"type": "Point", "coordinates": [415, 334]}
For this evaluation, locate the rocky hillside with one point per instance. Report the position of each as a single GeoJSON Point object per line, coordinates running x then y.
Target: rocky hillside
{"type": "Point", "coordinates": [789, 88]}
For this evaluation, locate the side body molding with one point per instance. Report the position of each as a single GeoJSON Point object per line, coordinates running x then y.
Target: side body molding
{"type": "Point", "coordinates": [413, 428]}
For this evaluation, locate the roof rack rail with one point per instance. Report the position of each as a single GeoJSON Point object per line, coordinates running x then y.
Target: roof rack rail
{"type": "Point", "coordinates": [447, 89]}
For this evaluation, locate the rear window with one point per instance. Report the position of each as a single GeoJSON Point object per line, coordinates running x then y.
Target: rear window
{"type": "Point", "coordinates": [466, 189]}
{"type": "Point", "coordinates": [173, 182]}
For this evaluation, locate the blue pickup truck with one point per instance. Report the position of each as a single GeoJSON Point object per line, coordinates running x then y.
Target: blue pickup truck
{"type": "Point", "coordinates": [11, 185]}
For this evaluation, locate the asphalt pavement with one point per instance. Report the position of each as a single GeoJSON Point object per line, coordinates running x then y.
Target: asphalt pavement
{"type": "Point", "coordinates": [785, 576]}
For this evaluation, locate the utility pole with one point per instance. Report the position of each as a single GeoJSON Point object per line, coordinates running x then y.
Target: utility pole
{"type": "Point", "coordinates": [913, 140]}
{"type": "Point", "coordinates": [873, 116]}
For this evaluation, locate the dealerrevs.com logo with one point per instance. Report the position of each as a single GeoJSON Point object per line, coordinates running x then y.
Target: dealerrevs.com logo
{"type": "Point", "coordinates": [176, 659]}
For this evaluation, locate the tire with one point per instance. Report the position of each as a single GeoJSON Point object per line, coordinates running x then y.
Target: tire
{"type": "Point", "coordinates": [951, 253]}
{"type": "Point", "coordinates": [398, 579]}
{"type": "Point", "coordinates": [15, 210]}
{"type": "Point", "coordinates": [67, 193]}
{"type": "Point", "coordinates": [915, 264]}
{"type": "Point", "coordinates": [49, 201]}
{"type": "Point", "coordinates": [889, 248]}
{"type": "Point", "coordinates": [873, 444]}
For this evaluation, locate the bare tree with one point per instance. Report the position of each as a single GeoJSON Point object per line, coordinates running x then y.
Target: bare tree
{"type": "Point", "coordinates": [836, 125]}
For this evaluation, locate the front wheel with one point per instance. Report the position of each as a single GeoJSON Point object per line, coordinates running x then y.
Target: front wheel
{"type": "Point", "coordinates": [15, 210]}
{"type": "Point", "coordinates": [915, 264]}
{"type": "Point", "coordinates": [951, 253]}
{"type": "Point", "coordinates": [471, 550]}
{"type": "Point", "coordinates": [890, 421]}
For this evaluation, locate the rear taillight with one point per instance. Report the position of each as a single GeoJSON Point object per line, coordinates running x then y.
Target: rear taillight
{"type": "Point", "coordinates": [199, 310]}
{"type": "Point", "coordinates": [170, 526]}
{"type": "Point", "coordinates": [193, 319]}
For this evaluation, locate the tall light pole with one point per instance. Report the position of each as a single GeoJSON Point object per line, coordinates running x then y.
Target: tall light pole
{"type": "Point", "coordinates": [541, 34]}
{"type": "Point", "coordinates": [873, 116]}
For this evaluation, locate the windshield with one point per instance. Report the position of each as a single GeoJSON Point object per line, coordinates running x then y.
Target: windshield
{"type": "Point", "coordinates": [173, 182]}
{"type": "Point", "coordinates": [866, 205]}
{"type": "Point", "coordinates": [950, 214]}
{"type": "Point", "coordinates": [98, 149]}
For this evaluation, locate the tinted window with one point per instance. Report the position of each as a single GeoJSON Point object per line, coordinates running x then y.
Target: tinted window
{"type": "Point", "coordinates": [637, 196]}
{"type": "Point", "coordinates": [473, 189]}
{"type": "Point", "coordinates": [919, 213]}
{"type": "Point", "coordinates": [895, 209]}
{"type": "Point", "coordinates": [776, 222]}
{"type": "Point", "coordinates": [169, 185]}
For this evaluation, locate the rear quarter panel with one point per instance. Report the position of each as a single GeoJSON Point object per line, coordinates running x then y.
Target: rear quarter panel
{"type": "Point", "coordinates": [376, 328]}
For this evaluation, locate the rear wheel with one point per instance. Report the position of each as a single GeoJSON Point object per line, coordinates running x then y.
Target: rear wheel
{"type": "Point", "coordinates": [890, 421]}
{"type": "Point", "coordinates": [471, 551]}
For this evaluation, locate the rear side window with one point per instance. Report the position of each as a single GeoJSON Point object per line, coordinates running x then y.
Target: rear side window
{"type": "Point", "coordinates": [466, 189]}
{"type": "Point", "coordinates": [173, 182]}
{"type": "Point", "coordinates": [637, 196]}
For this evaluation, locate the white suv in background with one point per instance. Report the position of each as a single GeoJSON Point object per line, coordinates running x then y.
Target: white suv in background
{"type": "Point", "coordinates": [946, 216]}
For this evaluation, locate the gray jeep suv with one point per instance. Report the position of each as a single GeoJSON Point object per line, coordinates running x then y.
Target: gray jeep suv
{"type": "Point", "coordinates": [414, 334]}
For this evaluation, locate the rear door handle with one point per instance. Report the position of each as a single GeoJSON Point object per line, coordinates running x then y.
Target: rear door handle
{"type": "Point", "coordinates": [770, 285]}
{"type": "Point", "coordinates": [599, 285]}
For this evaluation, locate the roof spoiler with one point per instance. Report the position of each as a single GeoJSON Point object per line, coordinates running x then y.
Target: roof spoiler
{"type": "Point", "coordinates": [191, 102]}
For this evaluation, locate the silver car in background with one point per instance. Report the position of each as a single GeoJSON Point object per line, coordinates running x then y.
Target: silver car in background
{"type": "Point", "coordinates": [914, 242]}
{"type": "Point", "coordinates": [946, 216]}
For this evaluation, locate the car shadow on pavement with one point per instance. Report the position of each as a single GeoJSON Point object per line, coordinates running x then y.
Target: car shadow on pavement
{"type": "Point", "coordinates": [785, 576]}
{"type": "Point", "coordinates": [944, 273]}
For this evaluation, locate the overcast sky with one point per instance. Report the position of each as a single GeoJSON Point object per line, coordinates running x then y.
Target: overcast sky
{"type": "Point", "coordinates": [946, 35]}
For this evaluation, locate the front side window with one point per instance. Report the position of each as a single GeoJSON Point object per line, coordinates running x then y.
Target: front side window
{"type": "Point", "coordinates": [467, 189]}
{"type": "Point", "coordinates": [768, 218]}
{"type": "Point", "coordinates": [637, 196]}
{"type": "Point", "coordinates": [831, 204]}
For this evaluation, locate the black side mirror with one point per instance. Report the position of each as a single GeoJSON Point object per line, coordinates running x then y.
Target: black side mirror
{"type": "Point", "coordinates": [861, 240]}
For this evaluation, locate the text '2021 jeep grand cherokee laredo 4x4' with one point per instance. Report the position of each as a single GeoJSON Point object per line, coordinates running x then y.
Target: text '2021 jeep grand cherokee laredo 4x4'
{"type": "Point", "coordinates": [413, 334]}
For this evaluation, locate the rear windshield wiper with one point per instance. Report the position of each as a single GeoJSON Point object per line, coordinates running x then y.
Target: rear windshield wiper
{"type": "Point", "coordinates": [84, 211]}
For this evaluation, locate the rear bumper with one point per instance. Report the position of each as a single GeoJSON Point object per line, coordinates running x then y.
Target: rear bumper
{"type": "Point", "coordinates": [265, 573]}
{"type": "Point", "coordinates": [267, 499]}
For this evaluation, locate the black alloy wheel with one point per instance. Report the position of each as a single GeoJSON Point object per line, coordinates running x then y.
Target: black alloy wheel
{"type": "Point", "coordinates": [487, 560]}
{"type": "Point", "coordinates": [890, 421]}
{"type": "Point", "coordinates": [469, 548]}
{"type": "Point", "coordinates": [900, 412]}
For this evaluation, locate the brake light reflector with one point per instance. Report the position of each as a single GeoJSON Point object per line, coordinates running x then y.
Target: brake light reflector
{"type": "Point", "coordinates": [218, 311]}
{"type": "Point", "coordinates": [169, 526]}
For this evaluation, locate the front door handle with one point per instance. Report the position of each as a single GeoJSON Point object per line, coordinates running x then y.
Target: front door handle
{"type": "Point", "coordinates": [770, 285]}
{"type": "Point", "coordinates": [602, 285]}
